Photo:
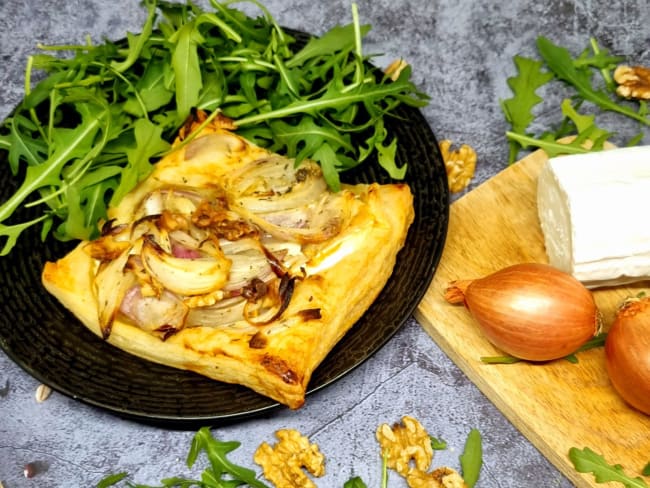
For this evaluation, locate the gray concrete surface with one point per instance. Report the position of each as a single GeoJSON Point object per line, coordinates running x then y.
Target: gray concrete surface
{"type": "Point", "coordinates": [462, 55]}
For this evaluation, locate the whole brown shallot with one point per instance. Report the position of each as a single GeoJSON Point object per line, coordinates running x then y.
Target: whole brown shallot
{"type": "Point", "coordinates": [627, 353]}
{"type": "Point", "coordinates": [531, 311]}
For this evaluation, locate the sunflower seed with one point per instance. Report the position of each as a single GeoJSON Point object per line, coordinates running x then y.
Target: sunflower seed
{"type": "Point", "coordinates": [42, 392]}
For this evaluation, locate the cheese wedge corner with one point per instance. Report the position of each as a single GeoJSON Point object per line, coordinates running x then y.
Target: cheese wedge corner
{"type": "Point", "coordinates": [591, 211]}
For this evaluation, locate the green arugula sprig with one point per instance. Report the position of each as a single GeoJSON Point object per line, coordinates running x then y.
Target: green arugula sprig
{"type": "Point", "coordinates": [578, 75]}
{"type": "Point", "coordinates": [518, 109]}
{"type": "Point", "coordinates": [557, 64]}
{"type": "Point", "coordinates": [88, 132]}
{"type": "Point", "coordinates": [438, 444]}
{"type": "Point", "coordinates": [596, 341]}
{"type": "Point", "coordinates": [588, 461]}
{"type": "Point", "coordinates": [221, 473]}
{"type": "Point", "coordinates": [355, 482]}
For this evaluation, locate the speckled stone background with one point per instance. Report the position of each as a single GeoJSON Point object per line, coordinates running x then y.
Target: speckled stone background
{"type": "Point", "coordinates": [462, 55]}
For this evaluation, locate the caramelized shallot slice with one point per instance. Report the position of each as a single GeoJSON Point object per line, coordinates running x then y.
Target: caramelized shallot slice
{"type": "Point", "coordinates": [287, 202]}
{"type": "Point", "coordinates": [249, 262]}
{"type": "Point", "coordinates": [289, 254]}
{"type": "Point", "coordinates": [185, 276]}
{"type": "Point", "coordinates": [174, 200]}
{"type": "Point", "coordinates": [162, 314]}
{"type": "Point", "coordinates": [149, 228]}
{"type": "Point", "coordinates": [274, 184]}
{"type": "Point", "coordinates": [315, 222]}
{"type": "Point", "coordinates": [110, 285]}
{"type": "Point", "coordinates": [182, 251]}
{"type": "Point", "coordinates": [221, 314]}
{"type": "Point", "coordinates": [264, 310]}
{"type": "Point", "coordinates": [107, 247]}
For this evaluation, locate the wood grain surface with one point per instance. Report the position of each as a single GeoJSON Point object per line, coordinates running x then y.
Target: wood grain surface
{"type": "Point", "coordinates": [556, 405]}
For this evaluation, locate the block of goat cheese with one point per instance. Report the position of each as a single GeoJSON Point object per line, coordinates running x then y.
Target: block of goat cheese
{"type": "Point", "coordinates": [592, 209]}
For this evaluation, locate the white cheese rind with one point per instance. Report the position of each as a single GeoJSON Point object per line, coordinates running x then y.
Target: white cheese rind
{"type": "Point", "coordinates": [591, 209]}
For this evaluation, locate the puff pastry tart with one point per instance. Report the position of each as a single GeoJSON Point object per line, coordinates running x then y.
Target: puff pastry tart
{"type": "Point", "coordinates": [230, 261]}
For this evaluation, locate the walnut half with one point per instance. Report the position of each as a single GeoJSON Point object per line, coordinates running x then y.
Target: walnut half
{"type": "Point", "coordinates": [405, 443]}
{"type": "Point", "coordinates": [633, 82]}
{"type": "Point", "coordinates": [407, 449]}
{"type": "Point", "coordinates": [439, 478]}
{"type": "Point", "coordinates": [283, 464]}
{"type": "Point", "coordinates": [460, 165]}
{"type": "Point", "coordinates": [394, 69]}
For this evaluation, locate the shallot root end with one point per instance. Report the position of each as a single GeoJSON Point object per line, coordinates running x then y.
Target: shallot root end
{"type": "Point", "coordinates": [455, 292]}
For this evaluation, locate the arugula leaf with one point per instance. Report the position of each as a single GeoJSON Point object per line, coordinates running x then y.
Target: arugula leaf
{"type": "Point", "coordinates": [518, 109]}
{"type": "Point", "coordinates": [86, 202]}
{"type": "Point", "coordinates": [23, 147]}
{"type": "Point", "coordinates": [588, 131]}
{"type": "Point", "coordinates": [112, 480]}
{"type": "Point", "coordinates": [577, 74]}
{"type": "Point", "coordinates": [11, 233]}
{"type": "Point", "coordinates": [599, 58]}
{"type": "Point", "coordinates": [559, 60]}
{"type": "Point", "coordinates": [646, 470]}
{"type": "Point", "coordinates": [588, 461]}
{"type": "Point", "coordinates": [438, 444]}
{"type": "Point", "coordinates": [339, 38]}
{"type": "Point", "coordinates": [589, 136]}
{"type": "Point", "coordinates": [217, 452]}
{"type": "Point", "coordinates": [151, 91]}
{"type": "Point", "coordinates": [328, 161]}
{"type": "Point", "coordinates": [306, 136]}
{"type": "Point", "coordinates": [355, 482]}
{"type": "Point", "coordinates": [73, 147]}
{"type": "Point", "coordinates": [386, 158]}
{"type": "Point", "coordinates": [335, 98]}
{"type": "Point", "coordinates": [148, 144]}
{"type": "Point", "coordinates": [594, 342]}
{"type": "Point", "coordinates": [137, 42]}
{"type": "Point", "coordinates": [471, 460]}
{"type": "Point", "coordinates": [187, 70]}
{"type": "Point", "coordinates": [221, 473]}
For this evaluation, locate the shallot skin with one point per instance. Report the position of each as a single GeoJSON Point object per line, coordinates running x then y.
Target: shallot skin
{"type": "Point", "coordinates": [531, 311]}
{"type": "Point", "coordinates": [627, 353]}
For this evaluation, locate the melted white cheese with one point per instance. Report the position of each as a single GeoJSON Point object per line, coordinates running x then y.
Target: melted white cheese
{"type": "Point", "coordinates": [592, 211]}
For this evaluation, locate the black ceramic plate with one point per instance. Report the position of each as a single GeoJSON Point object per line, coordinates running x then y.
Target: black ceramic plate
{"type": "Point", "coordinates": [49, 343]}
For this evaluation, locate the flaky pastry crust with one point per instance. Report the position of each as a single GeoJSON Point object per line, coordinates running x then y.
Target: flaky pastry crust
{"type": "Point", "coordinates": [275, 359]}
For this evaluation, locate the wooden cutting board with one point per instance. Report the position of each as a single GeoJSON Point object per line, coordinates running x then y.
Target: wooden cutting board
{"type": "Point", "coordinates": [556, 405]}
